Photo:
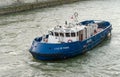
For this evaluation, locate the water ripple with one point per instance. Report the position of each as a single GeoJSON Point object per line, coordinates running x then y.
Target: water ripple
{"type": "Point", "coordinates": [17, 32]}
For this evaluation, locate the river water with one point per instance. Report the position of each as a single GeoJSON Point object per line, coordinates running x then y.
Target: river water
{"type": "Point", "coordinates": [18, 30]}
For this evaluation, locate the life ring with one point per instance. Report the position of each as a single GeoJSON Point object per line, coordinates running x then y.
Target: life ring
{"type": "Point", "coordinates": [46, 40]}
{"type": "Point", "coordinates": [69, 41]}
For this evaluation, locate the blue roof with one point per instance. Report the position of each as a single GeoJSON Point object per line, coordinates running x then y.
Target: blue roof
{"type": "Point", "coordinates": [87, 22]}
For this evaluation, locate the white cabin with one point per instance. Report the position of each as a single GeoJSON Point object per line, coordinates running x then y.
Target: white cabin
{"type": "Point", "coordinates": [71, 33]}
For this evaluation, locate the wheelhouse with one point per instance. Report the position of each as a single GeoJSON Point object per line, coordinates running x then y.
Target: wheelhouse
{"type": "Point", "coordinates": [65, 34]}
{"type": "Point", "coordinates": [71, 33]}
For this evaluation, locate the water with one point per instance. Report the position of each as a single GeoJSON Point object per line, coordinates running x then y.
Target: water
{"type": "Point", "coordinates": [18, 30]}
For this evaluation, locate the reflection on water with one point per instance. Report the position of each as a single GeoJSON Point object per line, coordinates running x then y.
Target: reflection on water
{"type": "Point", "coordinates": [18, 30]}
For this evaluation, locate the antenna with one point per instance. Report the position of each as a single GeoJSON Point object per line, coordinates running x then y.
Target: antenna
{"type": "Point", "coordinates": [65, 22]}
{"type": "Point", "coordinates": [76, 16]}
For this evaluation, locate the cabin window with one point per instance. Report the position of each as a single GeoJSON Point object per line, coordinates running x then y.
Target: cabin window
{"type": "Point", "coordinates": [62, 34]}
{"type": "Point", "coordinates": [56, 34]}
{"type": "Point", "coordinates": [72, 34]}
{"type": "Point", "coordinates": [67, 34]}
{"type": "Point", "coordinates": [51, 33]}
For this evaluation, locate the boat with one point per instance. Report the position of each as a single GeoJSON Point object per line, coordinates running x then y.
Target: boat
{"type": "Point", "coordinates": [70, 40]}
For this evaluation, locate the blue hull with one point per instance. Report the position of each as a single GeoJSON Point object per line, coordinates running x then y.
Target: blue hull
{"type": "Point", "coordinates": [46, 51]}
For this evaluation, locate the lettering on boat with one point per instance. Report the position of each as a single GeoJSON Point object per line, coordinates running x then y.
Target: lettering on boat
{"type": "Point", "coordinates": [61, 48]}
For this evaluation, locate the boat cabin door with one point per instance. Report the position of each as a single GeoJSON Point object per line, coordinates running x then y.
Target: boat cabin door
{"type": "Point", "coordinates": [81, 35]}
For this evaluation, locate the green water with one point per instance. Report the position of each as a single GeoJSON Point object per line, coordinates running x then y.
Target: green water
{"type": "Point", "coordinates": [18, 30]}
